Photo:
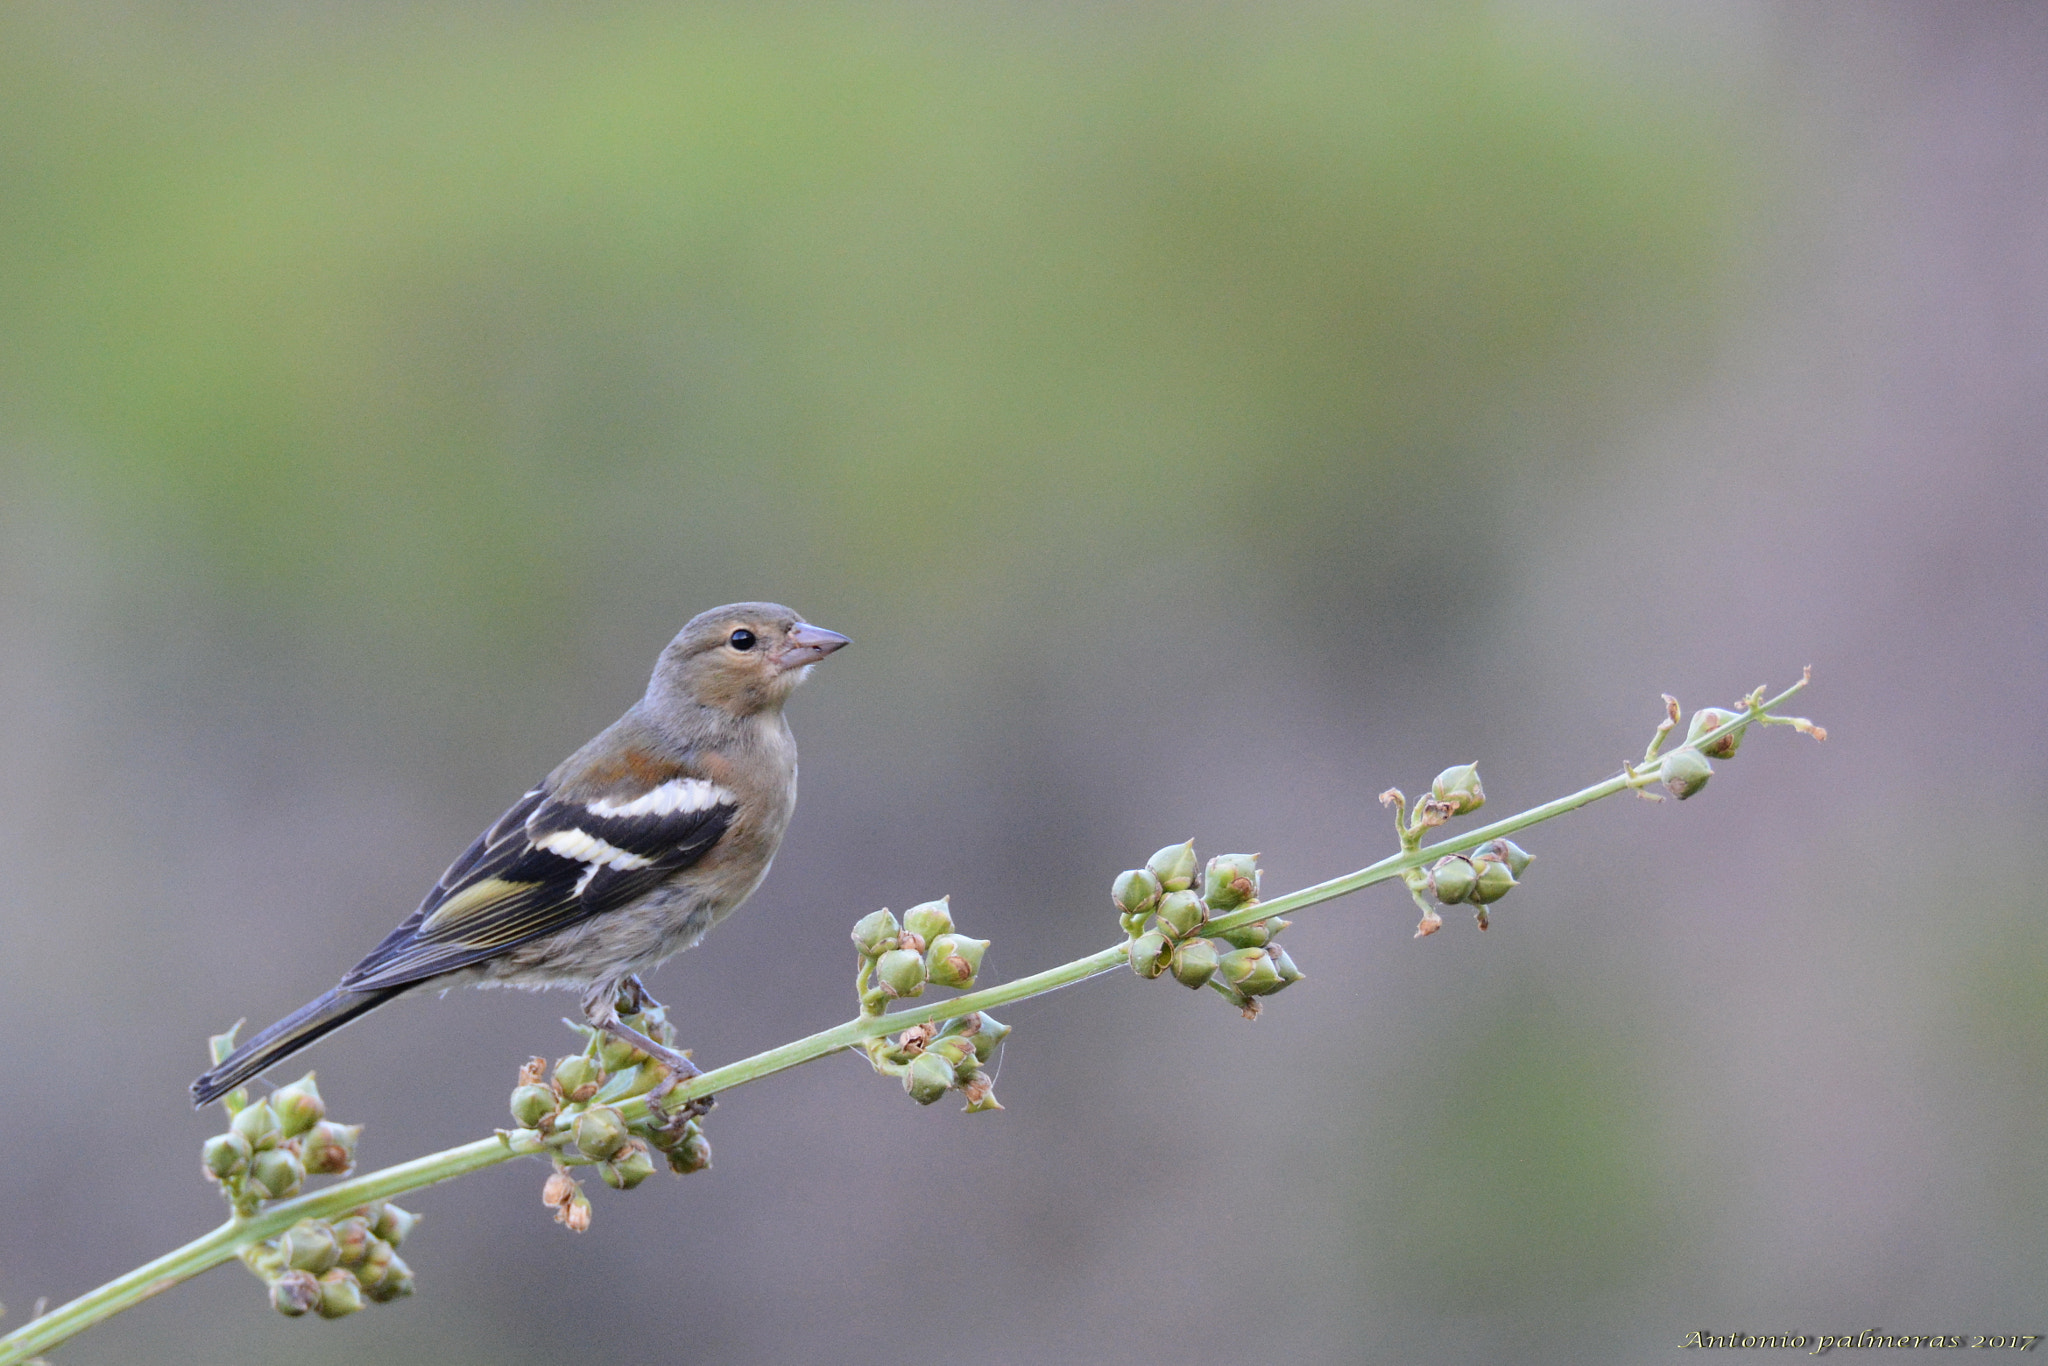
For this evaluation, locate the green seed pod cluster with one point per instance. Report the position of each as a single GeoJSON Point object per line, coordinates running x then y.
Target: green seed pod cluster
{"type": "Point", "coordinates": [1167, 926]}
{"type": "Point", "coordinates": [335, 1268]}
{"type": "Point", "coordinates": [272, 1145]}
{"type": "Point", "coordinates": [897, 960]}
{"type": "Point", "coordinates": [1479, 878]}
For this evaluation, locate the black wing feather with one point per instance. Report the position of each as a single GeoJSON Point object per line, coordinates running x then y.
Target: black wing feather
{"type": "Point", "coordinates": [522, 892]}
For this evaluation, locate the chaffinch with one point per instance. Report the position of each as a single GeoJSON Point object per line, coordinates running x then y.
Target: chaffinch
{"type": "Point", "coordinates": [626, 854]}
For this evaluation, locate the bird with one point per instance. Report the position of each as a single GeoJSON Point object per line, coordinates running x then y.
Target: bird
{"type": "Point", "coordinates": [623, 856]}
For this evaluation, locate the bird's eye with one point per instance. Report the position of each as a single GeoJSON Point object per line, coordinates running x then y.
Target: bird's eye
{"type": "Point", "coordinates": [742, 639]}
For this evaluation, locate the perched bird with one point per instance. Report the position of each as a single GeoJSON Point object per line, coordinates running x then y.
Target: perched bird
{"type": "Point", "coordinates": [626, 854]}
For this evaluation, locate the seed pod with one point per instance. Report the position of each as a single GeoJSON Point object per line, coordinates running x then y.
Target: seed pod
{"type": "Point", "coordinates": [1231, 881]}
{"type": "Point", "coordinates": [226, 1155]}
{"type": "Point", "coordinates": [1179, 913]}
{"type": "Point", "coordinates": [1458, 788]}
{"type": "Point", "coordinates": [1256, 935]}
{"type": "Point", "coordinates": [901, 972]}
{"type": "Point", "coordinates": [531, 1104]}
{"type": "Point", "coordinates": [1452, 879]}
{"type": "Point", "coordinates": [376, 1261]}
{"type": "Point", "coordinates": [1149, 954]}
{"type": "Point", "coordinates": [929, 1078]}
{"type": "Point", "coordinates": [1174, 866]}
{"type": "Point", "coordinates": [617, 1055]}
{"type": "Point", "coordinates": [1494, 880]}
{"type": "Point", "coordinates": [1284, 965]}
{"type": "Point", "coordinates": [600, 1133]}
{"type": "Point", "coordinates": [298, 1107]}
{"type": "Point", "coordinates": [277, 1173]}
{"type": "Point", "coordinates": [874, 934]}
{"type": "Point", "coordinates": [393, 1224]}
{"type": "Point", "coordinates": [295, 1293]}
{"type": "Point", "coordinates": [329, 1149]}
{"type": "Point", "coordinates": [629, 1168]}
{"type": "Point", "coordinates": [693, 1154]}
{"type": "Point", "coordinates": [957, 1050]}
{"type": "Point", "coordinates": [340, 1294]}
{"type": "Point", "coordinates": [352, 1238]}
{"type": "Point", "coordinates": [1706, 719]}
{"type": "Point", "coordinates": [1135, 891]}
{"type": "Point", "coordinates": [1507, 851]}
{"type": "Point", "coordinates": [990, 1037]}
{"type": "Point", "coordinates": [258, 1124]}
{"type": "Point", "coordinates": [575, 1072]}
{"type": "Point", "coordinates": [929, 920]}
{"type": "Point", "coordinates": [953, 959]}
{"type": "Point", "coordinates": [1685, 772]}
{"type": "Point", "coordinates": [309, 1245]}
{"type": "Point", "coordinates": [1194, 962]}
{"type": "Point", "coordinates": [395, 1284]}
{"type": "Point", "coordinates": [1251, 972]}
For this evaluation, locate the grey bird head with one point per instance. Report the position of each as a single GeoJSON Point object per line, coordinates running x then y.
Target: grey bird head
{"type": "Point", "coordinates": [741, 659]}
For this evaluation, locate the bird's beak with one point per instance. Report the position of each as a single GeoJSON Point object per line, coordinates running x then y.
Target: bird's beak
{"type": "Point", "coordinates": [807, 644]}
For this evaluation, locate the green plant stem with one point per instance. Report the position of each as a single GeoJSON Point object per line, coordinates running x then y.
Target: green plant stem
{"type": "Point", "coordinates": [226, 1242]}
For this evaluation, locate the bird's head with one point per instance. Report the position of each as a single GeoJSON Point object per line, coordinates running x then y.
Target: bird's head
{"type": "Point", "coordinates": [741, 659]}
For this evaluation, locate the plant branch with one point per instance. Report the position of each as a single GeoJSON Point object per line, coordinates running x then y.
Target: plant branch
{"type": "Point", "coordinates": [228, 1241]}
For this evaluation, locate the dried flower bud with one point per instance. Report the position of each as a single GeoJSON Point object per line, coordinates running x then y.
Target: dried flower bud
{"type": "Point", "coordinates": [989, 1037]}
{"type": "Point", "coordinates": [1231, 881]}
{"type": "Point", "coordinates": [329, 1149]}
{"type": "Point", "coordinates": [532, 1103]}
{"type": "Point", "coordinates": [393, 1225]}
{"type": "Point", "coordinates": [930, 920]}
{"type": "Point", "coordinates": [295, 1293]}
{"type": "Point", "coordinates": [258, 1124]}
{"type": "Point", "coordinates": [1179, 914]}
{"type": "Point", "coordinates": [874, 934]}
{"type": "Point", "coordinates": [600, 1133]}
{"type": "Point", "coordinates": [928, 1078]}
{"type": "Point", "coordinates": [277, 1173]}
{"type": "Point", "coordinates": [1135, 891]}
{"type": "Point", "coordinates": [226, 1155]}
{"type": "Point", "coordinates": [340, 1294]}
{"type": "Point", "coordinates": [298, 1107]}
{"type": "Point", "coordinates": [1706, 719]}
{"type": "Point", "coordinates": [1194, 962]}
{"type": "Point", "coordinates": [1173, 867]}
{"type": "Point", "coordinates": [1149, 953]}
{"type": "Point", "coordinates": [1685, 772]}
{"type": "Point", "coordinates": [901, 972]}
{"type": "Point", "coordinates": [309, 1245]}
{"type": "Point", "coordinates": [629, 1168]}
{"type": "Point", "coordinates": [1493, 880]}
{"type": "Point", "coordinates": [1452, 879]}
{"type": "Point", "coordinates": [953, 959]}
{"type": "Point", "coordinates": [1458, 789]}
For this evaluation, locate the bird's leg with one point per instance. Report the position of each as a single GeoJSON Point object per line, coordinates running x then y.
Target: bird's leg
{"type": "Point", "coordinates": [601, 1008]}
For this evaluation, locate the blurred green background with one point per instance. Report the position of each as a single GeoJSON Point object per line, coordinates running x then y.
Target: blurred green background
{"type": "Point", "coordinates": [1202, 418]}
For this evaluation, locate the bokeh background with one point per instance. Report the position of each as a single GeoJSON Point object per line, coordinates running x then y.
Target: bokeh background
{"type": "Point", "coordinates": [1202, 417]}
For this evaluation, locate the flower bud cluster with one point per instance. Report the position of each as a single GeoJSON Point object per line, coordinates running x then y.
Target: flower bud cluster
{"type": "Point", "coordinates": [951, 1055]}
{"type": "Point", "coordinates": [272, 1145]}
{"type": "Point", "coordinates": [923, 948]}
{"type": "Point", "coordinates": [334, 1268]}
{"type": "Point", "coordinates": [1164, 907]}
{"type": "Point", "coordinates": [574, 1109]}
{"type": "Point", "coordinates": [1477, 879]}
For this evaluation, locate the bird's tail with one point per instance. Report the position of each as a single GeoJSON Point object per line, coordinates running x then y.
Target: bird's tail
{"type": "Point", "coordinates": [311, 1021]}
